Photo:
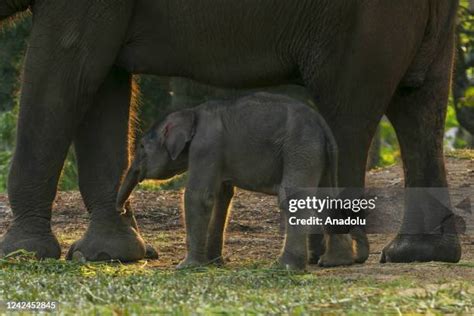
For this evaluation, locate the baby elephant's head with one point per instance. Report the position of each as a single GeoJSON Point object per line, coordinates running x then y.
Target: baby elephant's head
{"type": "Point", "coordinates": [160, 153]}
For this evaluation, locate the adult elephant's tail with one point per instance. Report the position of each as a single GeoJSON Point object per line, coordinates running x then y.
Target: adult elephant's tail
{"type": "Point", "coordinates": [9, 8]}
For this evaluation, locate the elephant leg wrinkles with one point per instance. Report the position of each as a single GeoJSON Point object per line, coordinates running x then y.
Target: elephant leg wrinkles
{"type": "Point", "coordinates": [102, 152]}
{"type": "Point", "coordinates": [418, 114]}
{"type": "Point", "coordinates": [59, 86]}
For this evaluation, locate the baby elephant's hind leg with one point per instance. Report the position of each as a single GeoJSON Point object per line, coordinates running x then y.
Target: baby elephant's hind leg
{"type": "Point", "coordinates": [300, 179]}
{"type": "Point", "coordinates": [294, 255]}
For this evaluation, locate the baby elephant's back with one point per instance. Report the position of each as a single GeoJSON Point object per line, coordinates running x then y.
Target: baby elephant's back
{"type": "Point", "coordinates": [268, 135]}
{"type": "Point", "coordinates": [280, 118]}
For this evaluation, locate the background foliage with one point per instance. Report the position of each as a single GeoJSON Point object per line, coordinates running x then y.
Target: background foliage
{"type": "Point", "coordinates": [161, 95]}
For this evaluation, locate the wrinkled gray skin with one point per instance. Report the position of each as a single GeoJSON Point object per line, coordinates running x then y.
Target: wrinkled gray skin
{"type": "Point", "coordinates": [359, 60]}
{"type": "Point", "coordinates": [229, 144]}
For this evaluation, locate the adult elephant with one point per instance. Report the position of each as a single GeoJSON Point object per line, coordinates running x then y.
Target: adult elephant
{"type": "Point", "coordinates": [359, 59]}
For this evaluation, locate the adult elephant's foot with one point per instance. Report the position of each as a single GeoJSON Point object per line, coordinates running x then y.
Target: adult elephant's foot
{"type": "Point", "coordinates": [217, 261]}
{"type": "Point", "coordinates": [150, 252]}
{"type": "Point", "coordinates": [342, 255]}
{"type": "Point", "coordinates": [191, 262]}
{"type": "Point", "coordinates": [422, 248]}
{"type": "Point", "coordinates": [339, 251]}
{"type": "Point", "coordinates": [107, 239]}
{"type": "Point", "coordinates": [291, 262]}
{"type": "Point", "coordinates": [360, 245]}
{"type": "Point", "coordinates": [32, 235]}
{"type": "Point", "coordinates": [334, 260]}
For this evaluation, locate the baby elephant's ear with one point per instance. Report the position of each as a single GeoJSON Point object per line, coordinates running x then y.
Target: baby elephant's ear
{"type": "Point", "coordinates": [178, 131]}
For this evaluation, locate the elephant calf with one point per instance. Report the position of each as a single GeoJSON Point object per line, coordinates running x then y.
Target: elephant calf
{"type": "Point", "coordinates": [261, 142]}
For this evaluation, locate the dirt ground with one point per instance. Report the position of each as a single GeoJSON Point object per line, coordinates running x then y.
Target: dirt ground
{"type": "Point", "coordinates": [253, 231]}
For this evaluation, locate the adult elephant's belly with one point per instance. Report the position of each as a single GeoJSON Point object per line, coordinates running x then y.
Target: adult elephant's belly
{"type": "Point", "coordinates": [222, 43]}
{"type": "Point", "coordinates": [239, 69]}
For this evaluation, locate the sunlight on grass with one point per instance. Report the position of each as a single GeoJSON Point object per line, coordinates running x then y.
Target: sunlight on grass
{"type": "Point", "coordinates": [174, 183]}
{"type": "Point", "coordinates": [461, 154]}
{"type": "Point", "coordinates": [128, 289]}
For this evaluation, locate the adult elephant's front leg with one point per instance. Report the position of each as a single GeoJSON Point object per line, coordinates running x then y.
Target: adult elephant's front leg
{"type": "Point", "coordinates": [102, 148]}
{"type": "Point", "coordinates": [45, 130]}
{"type": "Point", "coordinates": [353, 135]}
{"type": "Point", "coordinates": [69, 56]}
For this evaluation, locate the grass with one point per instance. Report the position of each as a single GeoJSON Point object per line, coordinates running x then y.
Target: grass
{"type": "Point", "coordinates": [467, 154]}
{"type": "Point", "coordinates": [117, 289]}
{"type": "Point", "coordinates": [174, 183]}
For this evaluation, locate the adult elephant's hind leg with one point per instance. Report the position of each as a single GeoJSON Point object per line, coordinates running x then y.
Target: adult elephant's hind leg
{"type": "Point", "coordinates": [102, 152]}
{"type": "Point", "coordinates": [418, 115]}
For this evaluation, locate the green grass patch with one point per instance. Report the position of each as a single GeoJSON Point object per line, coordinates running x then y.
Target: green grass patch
{"type": "Point", "coordinates": [174, 183]}
{"type": "Point", "coordinates": [461, 154]}
{"type": "Point", "coordinates": [136, 289]}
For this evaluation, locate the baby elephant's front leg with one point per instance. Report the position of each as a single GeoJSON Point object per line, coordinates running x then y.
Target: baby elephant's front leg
{"type": "Point", "coordinates": [215, 238]}
{"type": "Point", "coordinates": [198, 205]}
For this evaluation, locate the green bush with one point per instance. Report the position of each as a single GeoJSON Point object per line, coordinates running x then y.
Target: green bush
{"type": "Point", "coordinates": [7, 142]}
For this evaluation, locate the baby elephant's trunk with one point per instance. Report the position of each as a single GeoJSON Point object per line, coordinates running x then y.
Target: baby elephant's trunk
{"type": "Point", "coordinates": [129, 183]}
